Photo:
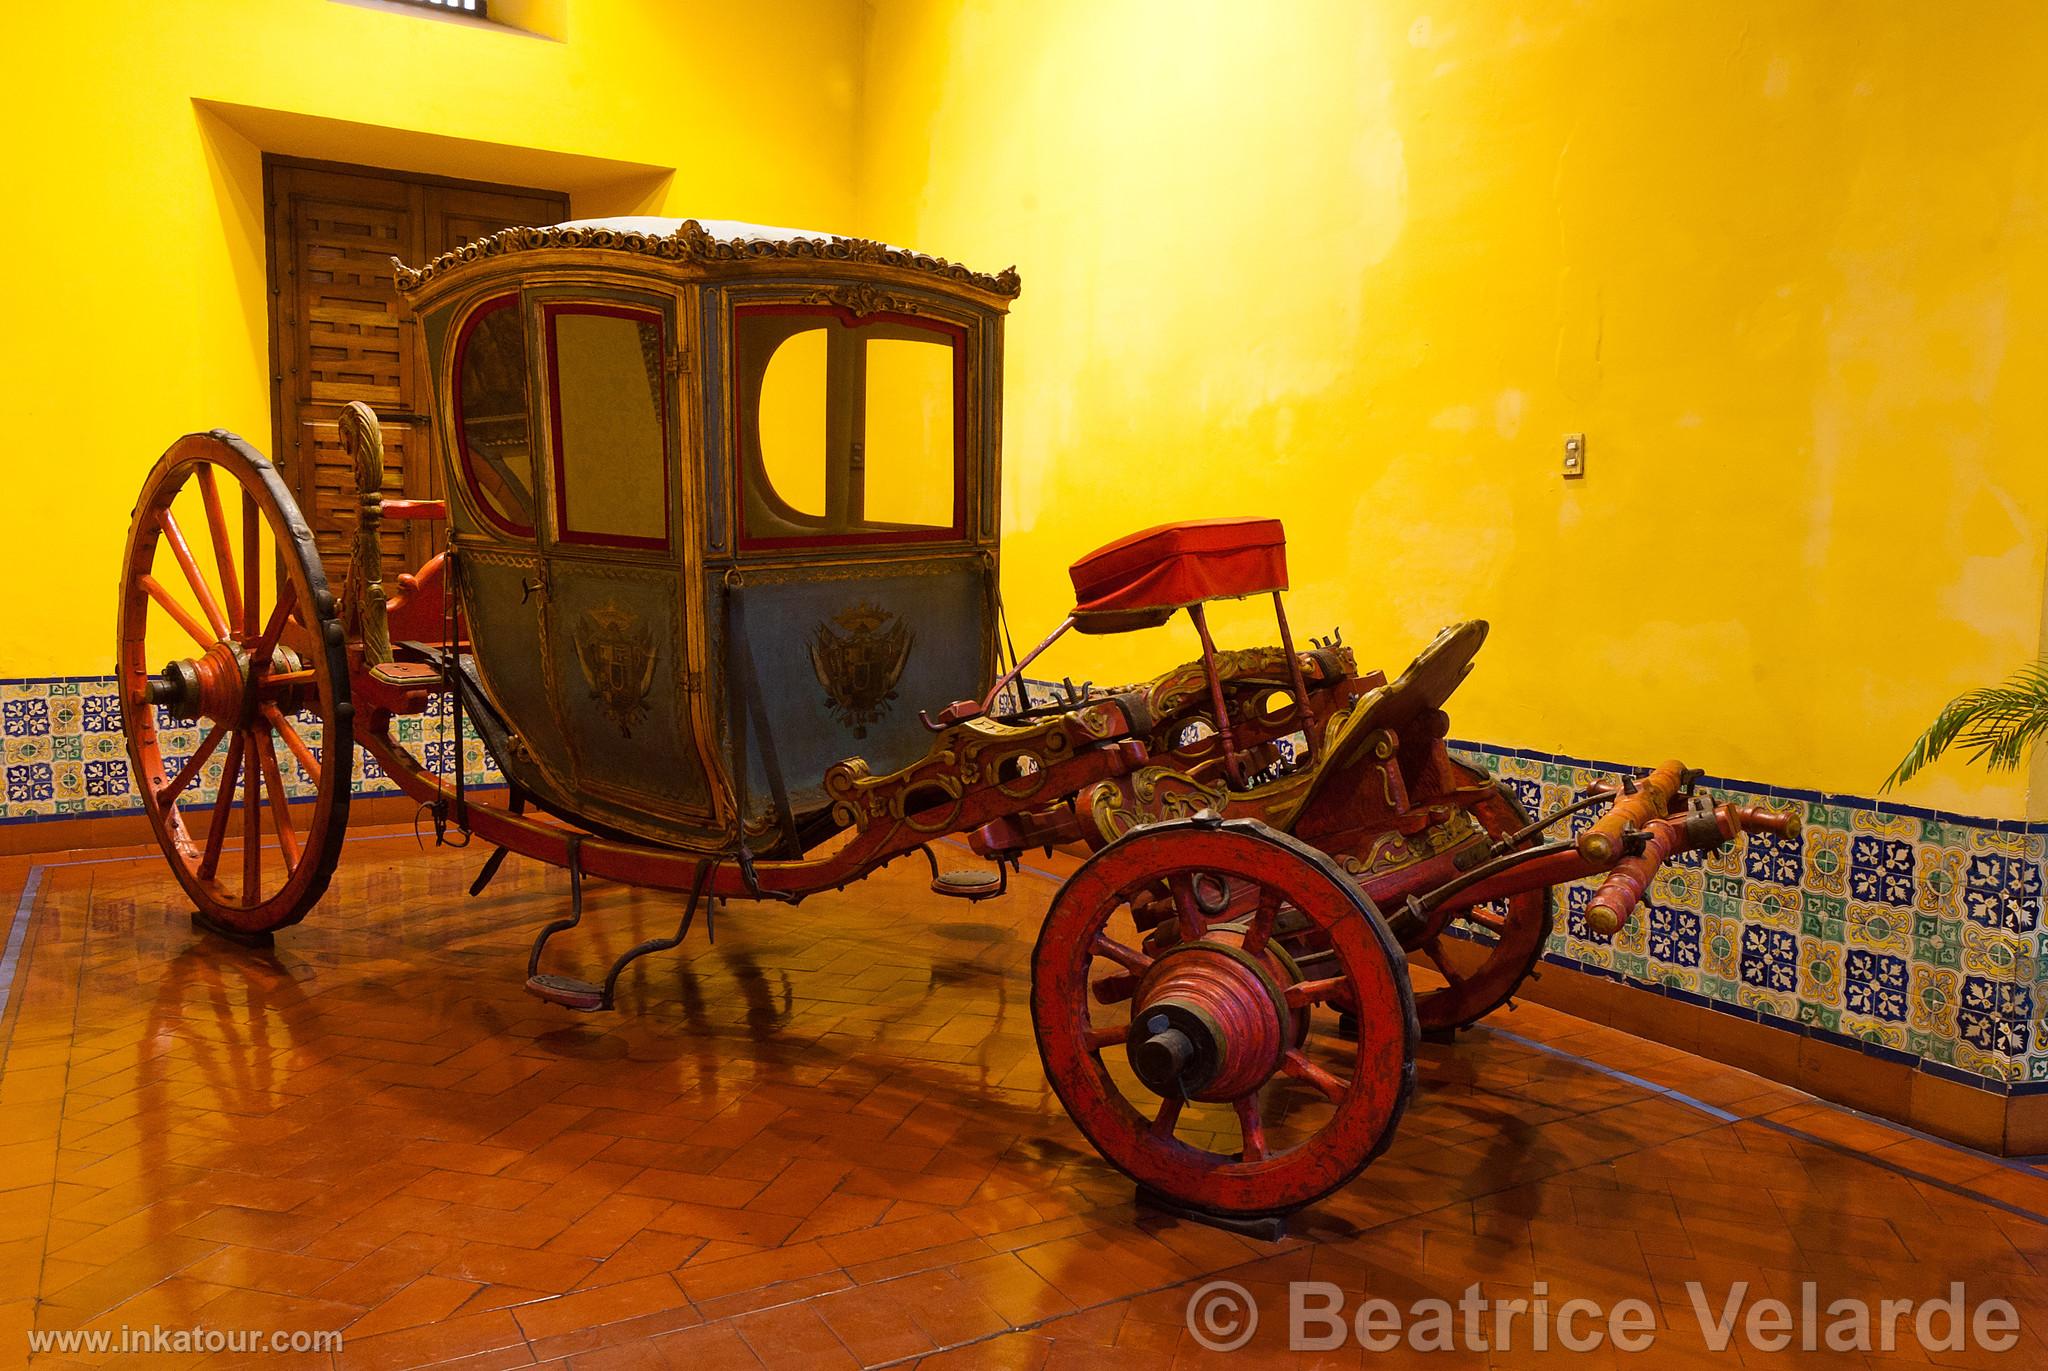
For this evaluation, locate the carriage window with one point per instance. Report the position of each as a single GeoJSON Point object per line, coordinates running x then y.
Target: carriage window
{"type": "Point", "coordinates": [611, 469]}
{"type": "Point", "coordinates": [793, 423]}
{"type": "Point", "coordinates": [848, 427]}
{"type": "Point", "coordinates": [491, 415]}
{"type": "Point", "coordinates": [909, 448]}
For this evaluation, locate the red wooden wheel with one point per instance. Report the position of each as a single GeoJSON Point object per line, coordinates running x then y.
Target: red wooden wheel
{"type": "Point", "coordinates": [1484, 952]}
{"type": "Point", "coordinates": [1189, 1066]}
{"type": "Point", "coordinates": [222, 587]}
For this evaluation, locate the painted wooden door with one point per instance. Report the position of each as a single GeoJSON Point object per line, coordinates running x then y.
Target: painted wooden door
{"type": "Point", "coordinates": [340, 331]}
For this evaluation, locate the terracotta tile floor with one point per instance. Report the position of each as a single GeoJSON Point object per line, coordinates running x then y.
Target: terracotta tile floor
{"type": "Point", "coordinates": [825, 1141]}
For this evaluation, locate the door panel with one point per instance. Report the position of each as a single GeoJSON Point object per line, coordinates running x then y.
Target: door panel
{"type": "Point", "coordinates": [340, 331]}
{"type": "Point", "coordinates": [845, 656]}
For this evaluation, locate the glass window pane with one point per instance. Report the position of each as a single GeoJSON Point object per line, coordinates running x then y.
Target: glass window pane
{"type": "Point", "coordinates": [848, 425]}
{"type": "Point", "coordinates": [610, 457]}
{"type": "Point", "coordinates": [492, 411]}
{"type": "Point", "coordinates": [793, 423]}
{"type": "Point", "coordinates": [909, 450]}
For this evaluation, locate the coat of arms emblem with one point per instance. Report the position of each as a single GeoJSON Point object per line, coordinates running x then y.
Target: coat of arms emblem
{"type": "Point", "coordinates": [859, 655]}
{"type": "Point", "coordinates": [616, 651]}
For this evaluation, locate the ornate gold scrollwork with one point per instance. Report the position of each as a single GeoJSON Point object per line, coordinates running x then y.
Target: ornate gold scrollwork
{"type": "Point", "coordinates": [692, 242]}
{"type": "Point", "coordinates": [363, 612]}
{"type": "Point", "coordinates": [1149, 795]}
{"type": "Point", "coordinates": [863, 299]}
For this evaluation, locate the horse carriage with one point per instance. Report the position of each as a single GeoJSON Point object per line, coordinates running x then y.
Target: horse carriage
{"type": "Point", "coordinates": [718, 591]}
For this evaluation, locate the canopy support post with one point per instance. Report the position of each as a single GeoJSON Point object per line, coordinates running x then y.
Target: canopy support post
{"type": "Point", "coordinates": [1308, 711]}
{"type": "Point", "coordinates": [1231, 766]}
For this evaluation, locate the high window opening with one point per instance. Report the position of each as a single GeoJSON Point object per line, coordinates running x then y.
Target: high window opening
{"type": "Point", "coordinates": [609, 402]}
{"type": "Point", "coordinates": [850, 428]}
{"type": "Point", "coordinates": [491, 415]}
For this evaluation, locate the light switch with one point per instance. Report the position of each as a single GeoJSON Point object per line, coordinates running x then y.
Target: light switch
{"type": "Point", "coordinates": [1574, 456]}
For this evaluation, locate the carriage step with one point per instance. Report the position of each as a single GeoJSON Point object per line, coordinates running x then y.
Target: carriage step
{"type": "Point", "coordinates": [567, 991]}
{"type": "Point", "coordinates": [968, 884]}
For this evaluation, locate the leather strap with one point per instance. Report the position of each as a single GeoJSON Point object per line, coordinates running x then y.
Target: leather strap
{"type": "Point", "coordinates": [748, 706]}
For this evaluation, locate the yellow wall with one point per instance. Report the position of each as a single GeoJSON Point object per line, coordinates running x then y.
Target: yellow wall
{"type": "Point", "coordinates": [1362, 264]}
{"type": "Point", "coordinates": [133, 242]}
{"type": "Point", "coordinates": [1358, 264]}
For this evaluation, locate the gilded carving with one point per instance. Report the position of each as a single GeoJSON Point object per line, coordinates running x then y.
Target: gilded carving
{"type": "Point", "coordinates": [863, 299]}
{"type": "Point", "coordinates": [692, 242]}
{"type": "Point", "coordinates": [1149, 795]}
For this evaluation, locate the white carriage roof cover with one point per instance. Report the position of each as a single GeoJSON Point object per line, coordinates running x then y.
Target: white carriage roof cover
{"type": "Point", "coordinates": [702, 240]}
{"type": "Point", "coordinates": [655, 226]}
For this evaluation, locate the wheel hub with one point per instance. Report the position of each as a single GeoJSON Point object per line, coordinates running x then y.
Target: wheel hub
{"type": "Point", "coordinates": [212, 686]}
{"type": "Point", "coordinates": [1210, 1022]}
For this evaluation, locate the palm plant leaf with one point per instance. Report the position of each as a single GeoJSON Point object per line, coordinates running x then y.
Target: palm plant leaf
{"type": "Point", "coordinates": [1994, 725]}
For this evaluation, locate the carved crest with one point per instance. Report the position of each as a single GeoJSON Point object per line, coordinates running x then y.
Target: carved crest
{"type": "Point", "coordinates": [616, 651]}
{"type": "Point", "coordinates": [859, 655]}
{"type": "Point", "coordinates": [862, 299]}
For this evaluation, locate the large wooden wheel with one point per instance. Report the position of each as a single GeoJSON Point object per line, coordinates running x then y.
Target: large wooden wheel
{"type": "Point", "coordinates": [1180, 1045]}
{"type": "Point", "coordinates": [223, 589]}
{"type": "Point", "coordinates": [1484, 952]}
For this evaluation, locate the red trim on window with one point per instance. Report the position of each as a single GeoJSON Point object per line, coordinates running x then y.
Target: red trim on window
{"type": "Point", "coordinates": [563, 533]}
{"type": "Point", "coordinates": [958, 336]}
{"type": "Point", "coordinates": [476, 491]}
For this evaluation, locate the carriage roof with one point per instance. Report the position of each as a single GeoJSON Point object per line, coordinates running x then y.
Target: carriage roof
{"type": "Point", "coordinates": [714, 247]}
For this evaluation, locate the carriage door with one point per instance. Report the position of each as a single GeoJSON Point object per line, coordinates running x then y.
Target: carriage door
{"type": "Point", "coordinates": [868, 597]}
{"type": "Point", "coordinates": [618, 649]}
{"type": "Point", "coordinates": [340, 332]}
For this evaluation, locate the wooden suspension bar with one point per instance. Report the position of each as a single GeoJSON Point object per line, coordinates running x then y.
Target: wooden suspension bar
{"type": "Point", "coordinates": [666, 868]}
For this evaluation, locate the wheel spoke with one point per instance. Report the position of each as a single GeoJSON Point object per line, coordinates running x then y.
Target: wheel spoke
{"type": "Point", "coordinates": [223, 549]}
{"type": "Point", "coordinates": [1261, 926]}
{"type": "Point", "coordinates": [283, 728]}
{"type": "Point", "coordinates": [1114, 989]}
{"type": "Point", "coordinates": [223, 802]}
{"type": "Point", "coordinates": [1099, 1038]}
{"type": "Point", "coordinates": [265, 645]}
{"type": "Point", "coordinates": [182, 550]}
{"type": "Point", "coordinates": [252, 564]}
{"type": "Point", "coordinates": [1126, 957]}
{"type": "Point", "coordinates": [1168, 1115]}
{"type": "Point", "coordinates": [1193, 923]}
{"type": "Point", "coordinates": [168, 795]}
{"type": "Point", "coordinates": [280, 803]}
{"type": "Point", "coordinates": [1304, 993]}
{"type": "Point", "coordinates": [285, 680]}
{"type": "Point", "coordinates": [187, 620]}
{"type": "Point", "coordinates": [252, 821]}
{"type": "Point", "coordinates": [1302, 1069]}
{"type": "Point", "coordinates": [1253, 1127]}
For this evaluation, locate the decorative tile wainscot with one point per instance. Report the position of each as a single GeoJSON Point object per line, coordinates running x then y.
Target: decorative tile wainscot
{"type": "Point", "coordinates": [62, 754]}
{"type": "Point", "coordinates": [1907, 934]}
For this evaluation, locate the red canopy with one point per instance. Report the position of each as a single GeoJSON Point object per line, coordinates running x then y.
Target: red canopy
{"type": "Point", "coordinates": [1139, 581]}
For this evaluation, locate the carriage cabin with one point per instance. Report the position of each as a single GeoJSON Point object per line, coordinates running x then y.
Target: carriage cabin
{"type": "Point", "coordinates": [724, 504]}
